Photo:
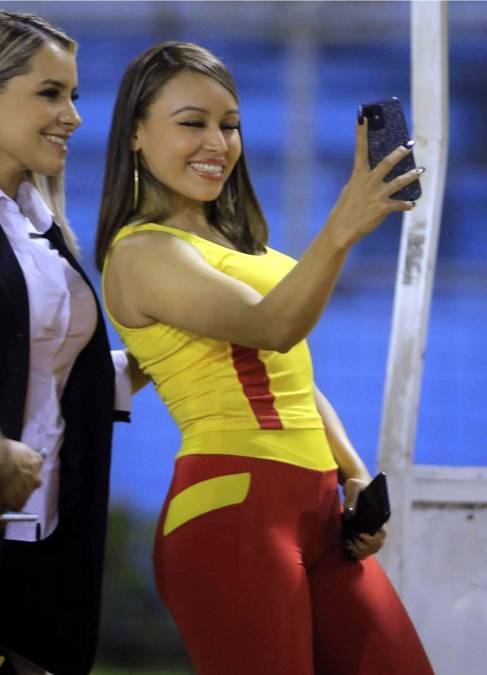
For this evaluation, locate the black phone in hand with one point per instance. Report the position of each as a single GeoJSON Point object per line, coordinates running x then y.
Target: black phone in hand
{"type": "Point", "coordinates": [371, 511]}
{"type": "Point", "coordinates": [387, 130]}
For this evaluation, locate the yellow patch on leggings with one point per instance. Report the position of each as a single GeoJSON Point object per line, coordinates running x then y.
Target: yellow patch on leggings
{"type": "Point", "coordinates": [206, 496]}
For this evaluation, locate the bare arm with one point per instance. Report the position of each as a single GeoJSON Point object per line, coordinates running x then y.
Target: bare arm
{"type": "Point", "coordinates": [171, 282]}
{"type": "Point", "coordinates": [137, 377]}
{"type": "Point", "coordinates": [350, 464]}
{"type": "Point", "coordinates": [354, 473]}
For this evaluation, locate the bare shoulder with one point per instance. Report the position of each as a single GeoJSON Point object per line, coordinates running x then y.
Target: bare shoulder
{"type": "Point", "coordinates": [149, 247]}
{"type": "Point", "coordinates": [140, 243]}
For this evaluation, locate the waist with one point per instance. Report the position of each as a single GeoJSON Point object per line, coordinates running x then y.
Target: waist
{"type": "Point", "coordinates": [307, 448]}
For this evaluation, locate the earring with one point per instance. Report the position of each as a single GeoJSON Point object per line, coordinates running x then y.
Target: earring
{"type": "Point", "coordinates": [226, 201]}
{"type": "Point", "coordinates": [136, 182]}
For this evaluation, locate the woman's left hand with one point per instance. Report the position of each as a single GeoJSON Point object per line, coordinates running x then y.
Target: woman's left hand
{"type": "Point", "coordinates": [364, 545]}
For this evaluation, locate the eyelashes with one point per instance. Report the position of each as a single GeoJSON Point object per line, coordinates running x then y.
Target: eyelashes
{"type": "Point", "coordinates": [199, 125]}
{"type": "Point", "coordinates": [54, 94]}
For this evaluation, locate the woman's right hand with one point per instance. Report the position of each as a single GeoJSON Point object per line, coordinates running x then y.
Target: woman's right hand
{"type": "Point", "coordinates": [365, 200]}
{"type": "Point", "coordinates": [20, 469]}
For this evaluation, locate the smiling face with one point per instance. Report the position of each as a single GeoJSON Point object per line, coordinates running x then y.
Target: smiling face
{"type": "Point", "coordinates": [190, 140]}
{"type": "Point", "coordinates": [37, 116]}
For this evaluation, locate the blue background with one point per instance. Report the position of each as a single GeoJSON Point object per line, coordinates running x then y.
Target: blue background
{"type": "Point", "coordinates": [350, 344]}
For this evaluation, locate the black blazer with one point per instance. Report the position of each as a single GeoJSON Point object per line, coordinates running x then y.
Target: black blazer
{"type": "Point", "coordinates": [50, 590]}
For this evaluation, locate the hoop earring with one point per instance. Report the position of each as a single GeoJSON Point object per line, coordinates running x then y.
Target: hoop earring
{"type": "Point", "coordinates": [136, 182]}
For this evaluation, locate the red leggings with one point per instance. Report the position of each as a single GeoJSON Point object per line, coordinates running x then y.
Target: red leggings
{"type": "Point", "coordinates": [261, 588]}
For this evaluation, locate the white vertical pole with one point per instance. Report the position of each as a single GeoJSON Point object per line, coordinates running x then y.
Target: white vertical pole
{"type": "Point", "coordinates": [299, 151]}
{"type": "Point", "coordinates": [417, 259]}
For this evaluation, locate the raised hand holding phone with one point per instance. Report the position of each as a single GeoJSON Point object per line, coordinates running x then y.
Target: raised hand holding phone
{"type": "Point", "coordinates": [386, 130]}
{"type": "Point", "coordinates": [366, 198]}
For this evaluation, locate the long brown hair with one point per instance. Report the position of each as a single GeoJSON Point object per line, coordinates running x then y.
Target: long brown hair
{"type": "Point", "coordinates": [236, 213]}
{"type": "Point", "coordinates": [21, 37]}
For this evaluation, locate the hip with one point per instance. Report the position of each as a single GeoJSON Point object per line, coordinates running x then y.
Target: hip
{"type": "Point", "coordinates": [249, 494]}
{"type": "Point", "coordinates": [305, 448]}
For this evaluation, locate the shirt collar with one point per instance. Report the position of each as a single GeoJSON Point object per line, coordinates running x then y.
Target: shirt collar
{"type": "Point", "coordinates": [34, 207]}
{"type": "Point", "coordinates": [30, 204]}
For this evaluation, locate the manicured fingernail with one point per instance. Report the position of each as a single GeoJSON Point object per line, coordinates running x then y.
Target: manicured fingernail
{"type": "Point", "coordinates": [420, 170]}
{"type": "Point", "coordinates": [409, 144]}
{"type": "Point", "coordinates": [414, 204]}
{"type": "Point", "coordinates": [360, 117]}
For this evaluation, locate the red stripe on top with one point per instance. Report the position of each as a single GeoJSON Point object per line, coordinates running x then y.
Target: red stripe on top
{"type": "Point", "coordinates": [255, 382]}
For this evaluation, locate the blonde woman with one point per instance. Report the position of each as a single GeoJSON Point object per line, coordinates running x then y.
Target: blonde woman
{"type": "Point", "coordinates": [57, 377]}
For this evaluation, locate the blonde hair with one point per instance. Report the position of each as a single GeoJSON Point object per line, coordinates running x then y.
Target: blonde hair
{"type": "Point", "coordinates": [21, 37]}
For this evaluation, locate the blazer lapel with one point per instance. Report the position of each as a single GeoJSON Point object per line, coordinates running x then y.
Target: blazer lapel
{"type": "Point", "coordinates": [56, 238]}
{"type": "Point", "coordinates": [54, 235]}
{"type": "Point", "coordinates": [12, 282]}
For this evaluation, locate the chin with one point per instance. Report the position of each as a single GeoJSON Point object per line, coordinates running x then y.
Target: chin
{"type": "Point", "coordinates": [52, 170]}
{"type": "Point", "coordinates": [196, 195]}
{"type": "Point", "coordinates": [208, 195]}
{"type": "Point", "coordinates": [48, 165]}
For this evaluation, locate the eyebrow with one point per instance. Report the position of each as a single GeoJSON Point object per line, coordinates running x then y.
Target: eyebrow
{"type": "Point", "coordinates": [201, 110]}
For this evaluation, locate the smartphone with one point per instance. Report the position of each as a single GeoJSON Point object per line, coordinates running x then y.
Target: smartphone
{"type": "Point", "coordinates": [387, 130]}
{"type": "Point", "coordinates": [371, 511]}
{"type": "Point", "coordinates": [373, 508]}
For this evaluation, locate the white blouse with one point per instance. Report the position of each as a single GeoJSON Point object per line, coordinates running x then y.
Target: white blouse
{"type": "Point", "coordinates": [63, 318]}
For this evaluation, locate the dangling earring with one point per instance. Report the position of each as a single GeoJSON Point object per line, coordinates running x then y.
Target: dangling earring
{"type": "Point", "coordinates": [226, 201]}
{"type": "Point", "coordinates": [136, 182]}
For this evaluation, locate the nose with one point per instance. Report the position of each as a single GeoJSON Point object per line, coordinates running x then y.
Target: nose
{"type": "Point", "coordinates": [215, 140]}
{"type": "Point", "coordinates": [70, 117]}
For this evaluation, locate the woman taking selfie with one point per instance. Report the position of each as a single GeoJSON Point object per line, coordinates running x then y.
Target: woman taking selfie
{"type": "Point", "coordinates": [247, 551]}
{"type": "Point", "coordinates": [56, 374]}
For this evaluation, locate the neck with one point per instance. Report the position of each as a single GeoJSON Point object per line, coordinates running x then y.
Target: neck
{"type": "Point", "coordinates": [178, 212]}
{"type": "Point", "coordinates": [11, 175]}
{"type": "Point", "coordinates": [190, 220]}
{"type": "Point", "coordinates": [10, 184]}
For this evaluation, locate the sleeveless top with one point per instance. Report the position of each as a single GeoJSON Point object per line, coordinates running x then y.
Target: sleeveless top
{"type": "Point", "coordinates": [227, 398]}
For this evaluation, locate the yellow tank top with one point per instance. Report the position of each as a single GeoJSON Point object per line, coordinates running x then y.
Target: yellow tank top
{"type": "Point", "coordinates": [225, 398]}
